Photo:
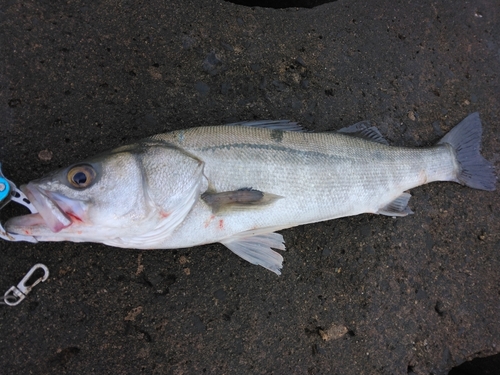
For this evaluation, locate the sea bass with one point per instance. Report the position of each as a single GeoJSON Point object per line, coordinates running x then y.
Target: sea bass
{"type": "Point", "coordinates": [239, 184]}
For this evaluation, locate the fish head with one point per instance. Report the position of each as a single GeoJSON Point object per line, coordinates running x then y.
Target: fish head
{"type": "Point", "coordinates": [114, 198]}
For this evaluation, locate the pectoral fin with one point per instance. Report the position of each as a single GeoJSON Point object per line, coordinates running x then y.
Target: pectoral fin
{"type": "Point", "coordinates": [238, 199]}
{"type": "Point", "coordinates": [257, 250]}
{"type": "Point", "coordinates": [398, 207]}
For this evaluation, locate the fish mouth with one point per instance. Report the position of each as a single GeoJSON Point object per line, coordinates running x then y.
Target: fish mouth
{"type": "Point", "coordinates": [55, 212]}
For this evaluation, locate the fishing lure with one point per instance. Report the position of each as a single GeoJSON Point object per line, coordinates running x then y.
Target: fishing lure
{"type": "Point", "coordinates": [9, 192]}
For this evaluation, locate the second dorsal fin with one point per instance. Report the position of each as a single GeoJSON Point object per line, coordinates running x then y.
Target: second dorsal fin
{"type": "Point", "coordinates": [364, 130]}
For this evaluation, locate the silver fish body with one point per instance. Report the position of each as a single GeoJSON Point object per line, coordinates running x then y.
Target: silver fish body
{"type": "Point", "coordinates": [320, 176]}
{"type": "Point", "coordinates": [238, 185]}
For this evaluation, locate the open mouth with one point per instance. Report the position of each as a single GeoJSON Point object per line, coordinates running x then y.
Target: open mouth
{"type": "Point", "coordinates": [55, 212]}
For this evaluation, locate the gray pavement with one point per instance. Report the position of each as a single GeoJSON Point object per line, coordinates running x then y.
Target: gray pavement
{"type": "Point", "coordinates": [360, 295]}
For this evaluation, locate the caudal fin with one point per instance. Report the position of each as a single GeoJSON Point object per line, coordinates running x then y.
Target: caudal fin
{"type": "Point", "coordinates": [465, 138]}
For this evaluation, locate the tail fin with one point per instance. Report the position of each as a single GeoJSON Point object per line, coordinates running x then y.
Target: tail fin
{"type": "Point", "coordinates": [465, 138]}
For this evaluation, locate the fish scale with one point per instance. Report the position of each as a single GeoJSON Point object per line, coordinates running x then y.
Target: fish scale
{"type": "Point", "coordinates": [321, 176]}
{"type": "Point", "coordinates": [238, 184]}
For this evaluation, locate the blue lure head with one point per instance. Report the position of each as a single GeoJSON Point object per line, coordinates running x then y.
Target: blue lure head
{"type": "Point", "coordinates": [4, 187]}
{"type": "Point", "coordinates": [9, 192]}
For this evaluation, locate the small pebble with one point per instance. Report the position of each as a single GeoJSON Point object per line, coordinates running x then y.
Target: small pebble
{"type": "Point", "coordinates": [333, 333]}
{"type": "Point", "coordinates": [212, 64]}
{"type": "Point", "coordinates": [45, 155]}
{"type": "Point", "coordinates": [227, 47]}
{"type": "Point", "coordinates": [255, 67]}
{"type": "Point", "coordinates": [202, 88]}
{"type": "Point", "coordinates": [299, 60]}
{"type": "Point", "coordinates": [133, 313]}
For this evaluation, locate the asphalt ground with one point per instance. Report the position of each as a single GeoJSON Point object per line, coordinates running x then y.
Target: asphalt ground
{"type": "Point", "coordinates": [360, 295]}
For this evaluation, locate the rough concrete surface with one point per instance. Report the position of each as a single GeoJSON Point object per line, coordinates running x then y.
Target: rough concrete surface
{"type": "Point", "coordinates": [360, 295]}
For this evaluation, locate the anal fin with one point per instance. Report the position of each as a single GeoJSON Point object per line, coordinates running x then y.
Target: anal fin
{"type": "Point", "coordinates": [398, 207]}
{"type": "Point", "coordinates": [257, 250]}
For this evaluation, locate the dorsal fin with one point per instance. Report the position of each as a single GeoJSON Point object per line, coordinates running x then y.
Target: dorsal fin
{"type": "Point", "coordinates": [283, 125]}
{"type": "Point", "coordinates": [364, 130]}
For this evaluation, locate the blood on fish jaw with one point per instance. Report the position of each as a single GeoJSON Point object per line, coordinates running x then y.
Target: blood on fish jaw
{"type": "Point", "coordinates": [73, 217]}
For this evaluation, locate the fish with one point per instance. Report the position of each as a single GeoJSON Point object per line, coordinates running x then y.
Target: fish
{"type": "Point", "coordinates": [239, 184]}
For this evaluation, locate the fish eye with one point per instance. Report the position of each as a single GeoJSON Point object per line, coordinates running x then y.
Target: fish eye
{"type": "Point", "coordinates": [81, 176]}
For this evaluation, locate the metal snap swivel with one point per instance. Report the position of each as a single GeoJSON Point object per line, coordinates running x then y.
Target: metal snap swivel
{"type": "Point", "coordinates": [15, 294]}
